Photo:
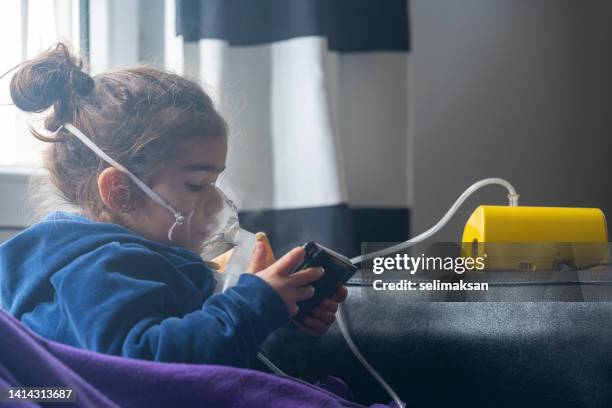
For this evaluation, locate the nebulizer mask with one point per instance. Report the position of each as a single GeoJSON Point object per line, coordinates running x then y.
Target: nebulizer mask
{"type": "Point", "coordinates": [210, 228]}
{"type": "Point", "coordinates": [215, 230]}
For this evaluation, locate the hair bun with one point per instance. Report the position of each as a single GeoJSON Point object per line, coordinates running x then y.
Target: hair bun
{"type": "Point", "coordinates": [82, 84]}
{"type": "Point", "coordinates": [51, 79]}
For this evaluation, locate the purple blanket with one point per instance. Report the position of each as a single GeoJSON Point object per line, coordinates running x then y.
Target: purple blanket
{"type": "Point", "coordinates": [100, 380]}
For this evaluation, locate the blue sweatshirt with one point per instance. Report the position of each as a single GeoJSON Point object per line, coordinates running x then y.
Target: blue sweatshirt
{"type": "Point", "coordinates": [103, 287]}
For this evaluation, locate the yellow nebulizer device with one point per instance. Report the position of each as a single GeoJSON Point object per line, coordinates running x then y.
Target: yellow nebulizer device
{"type": "Point", "coordinates": [536, 238]}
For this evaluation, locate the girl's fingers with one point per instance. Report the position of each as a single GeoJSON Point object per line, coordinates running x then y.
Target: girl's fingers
{"type": "Point", "coordinates": [288, 261]}
{"type": "Point", "coordinates": [306, 276]}
{"type": "Point", "coordinates": [324, 315]}
{"type": "Point", "coordinates": [315, 325]}
{"type": "Point", "coordinates": [329, 305]}
{"type": "Point", "coordinates": [262, 238]}
{"type": "Point", "coordinates": [341, 294]}
{"type": "Point", "coordinates": [258, 259]}
{"type": "Point", "coordinates": [303, 293]}
{"type": "Point", "coordinates": [293, 309]}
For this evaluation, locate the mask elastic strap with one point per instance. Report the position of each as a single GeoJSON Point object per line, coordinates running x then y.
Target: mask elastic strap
{"type": "Point", "coordinates": [179, 218]}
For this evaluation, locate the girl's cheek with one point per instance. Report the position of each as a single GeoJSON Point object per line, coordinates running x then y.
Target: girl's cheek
{"type": "Point", "coordinates": [175, 194]}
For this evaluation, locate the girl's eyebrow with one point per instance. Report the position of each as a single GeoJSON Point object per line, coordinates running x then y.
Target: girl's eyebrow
{"type": "Point", "coordinates": [202, 167]}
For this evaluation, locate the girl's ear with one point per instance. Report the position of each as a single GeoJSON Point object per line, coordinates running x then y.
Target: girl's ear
{"type": "Point", "coordinates": [114, 189]}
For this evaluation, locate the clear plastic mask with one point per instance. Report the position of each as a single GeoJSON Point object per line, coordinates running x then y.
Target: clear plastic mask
{"type": "Point", "coordinates": [212, 226]}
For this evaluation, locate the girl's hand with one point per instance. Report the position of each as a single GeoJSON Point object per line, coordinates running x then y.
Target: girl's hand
{"type": "Point", "coordinates": [291, 288]}
{"type": "Point", "coordinates": [324, 315]}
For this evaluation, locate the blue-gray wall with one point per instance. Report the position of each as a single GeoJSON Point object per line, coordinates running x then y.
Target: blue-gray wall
{"type": "Point", "coordinates": [515, 89]}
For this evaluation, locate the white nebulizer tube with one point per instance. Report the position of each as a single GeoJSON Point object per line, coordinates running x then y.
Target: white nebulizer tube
{"type": "Point", "coordinates": [513, 201]}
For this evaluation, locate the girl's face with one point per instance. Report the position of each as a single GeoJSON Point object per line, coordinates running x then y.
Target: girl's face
{"type": "Point", "coordinates": [186, 182]}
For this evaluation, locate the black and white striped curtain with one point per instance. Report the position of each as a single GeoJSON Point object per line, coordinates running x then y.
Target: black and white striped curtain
{"type": "Point", "coordinates": [316, 95]}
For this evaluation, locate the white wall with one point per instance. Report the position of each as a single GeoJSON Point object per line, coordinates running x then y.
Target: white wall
{"type": "Point", "coordinates": [515, 89]}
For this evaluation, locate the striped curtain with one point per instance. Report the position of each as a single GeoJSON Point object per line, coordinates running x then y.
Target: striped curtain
{"type": "Point", "coordinates": [315, 92]}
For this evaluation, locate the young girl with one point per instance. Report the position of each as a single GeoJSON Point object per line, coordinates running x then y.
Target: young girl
{"type": "Point", "coordinates": [122, 276]}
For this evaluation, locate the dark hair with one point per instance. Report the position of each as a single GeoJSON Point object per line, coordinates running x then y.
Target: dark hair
{"type": "Point", "coordinates": [134, 115]}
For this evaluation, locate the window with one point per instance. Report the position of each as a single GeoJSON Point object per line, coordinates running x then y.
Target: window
{"type": "Point", "coordinates": [28, 27]}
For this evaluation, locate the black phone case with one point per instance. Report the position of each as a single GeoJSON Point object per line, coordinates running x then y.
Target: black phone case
{"type": "Point", "coordinates": [338, 269]}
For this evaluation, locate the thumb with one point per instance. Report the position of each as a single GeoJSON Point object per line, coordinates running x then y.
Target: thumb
{"type": "Point", "coordinates": [258, 259]}
{"type": "Point", "coordinates": [288, 261]}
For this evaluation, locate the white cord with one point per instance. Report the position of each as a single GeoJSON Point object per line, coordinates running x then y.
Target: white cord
{"type": "Point", "coordinates": [261, 357]}
{"type": "Point", "coordinates": [513, 201]}
{"type": "Point", "coordinates": [512, 198]}
{"type": "Point", "coordinates": [349, 341]}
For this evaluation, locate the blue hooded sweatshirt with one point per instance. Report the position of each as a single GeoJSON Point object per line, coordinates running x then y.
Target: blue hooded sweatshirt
{"type": "Point", "coordinates": [102, 287]}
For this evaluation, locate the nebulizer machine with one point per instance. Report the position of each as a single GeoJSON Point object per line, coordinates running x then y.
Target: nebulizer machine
{"type": "Point", "coordinates": [542, 226]}
{"type": "Point", "coordinates": [211, 227]}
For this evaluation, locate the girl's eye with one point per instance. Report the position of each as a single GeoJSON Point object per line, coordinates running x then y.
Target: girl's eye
{"type": "Point", "coordinates": [194, 188]}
